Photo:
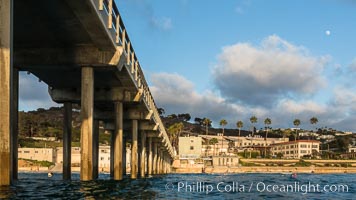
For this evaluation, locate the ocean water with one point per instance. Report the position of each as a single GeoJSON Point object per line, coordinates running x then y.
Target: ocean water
{"type": "Point", "coordinates": [185, 186]}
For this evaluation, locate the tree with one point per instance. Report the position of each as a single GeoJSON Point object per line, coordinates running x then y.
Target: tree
{"type": "Point", "coordinates": [213, 141]}
{"type": "Point", "coordinates": [207, 122]}
{"type": "Point", "coordinates": [267, 122]}
{"type": "Point", "coordinates": [198, 120]}
{"type": "Point", "coordinates": [313, 121]}
{"type": "Point", "coordinates": [223, 123]}
{"type": "Point", "coordinates": [161, 111]}
{"type": "Point", "coordinates": [174, 132]}
{"type": "Point", "coordinates": [296, 123]}
{"type": "Point", "coordinates": [253, 120]}
{"type": "Point", "coordinates": [239, 125]}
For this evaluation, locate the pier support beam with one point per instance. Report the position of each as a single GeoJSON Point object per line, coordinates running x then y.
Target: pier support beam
{"type": "Point", "coordinates": [124, 155]}
{"type": "Point", "coordinates": [67, 135]}
{"type": "Point", "coordinates": [112, 139]}
{"type": "Point", "coordinates": [143, 154]}
{"type": "Point", "coordinates": [96, 149]}
{"type": "Point", "coordinates": [14, 123]}
{"type": "Point", "coordinates": [154, 164]}
{"type": "Point", "coordinates": [6, 20]}
{"type": "Point", "coordinates": [149, 161]}
{"type": "Point", "coordinates": [118, 167]}
{"type": "Point", "coordinates": [134, 161]}
{"type": "Point", "coordinates": [87, 104]}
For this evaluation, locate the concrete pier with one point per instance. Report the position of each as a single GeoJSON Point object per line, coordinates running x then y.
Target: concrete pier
{"type": "Point", "coordinates": [91, 51]}
{"type": "Point", "coordinates": [67, 135]}
{"type": "Point", "coordinates": [143, 155]}
{"type": "Point", "coordinates": [150, 156]}
{"type": "Point", "coordinates": [134, 161]}
{"type": "Point", "coordinates": [87, 111]}
{"type": "Point", "coordinates": [112, 139]}
{"type": "Point", "coordinates": [124, 158]}
{"type": "Point", "coordinates": [96, 149]}
{"type": "Point", "coordinates": [118, 143]}
{"type": "Point", "coordinates": [155, 158]}
{"type": "Point", "coordinates": [14, 123]}
{"type": "Point", "coordinates": [6, 20]}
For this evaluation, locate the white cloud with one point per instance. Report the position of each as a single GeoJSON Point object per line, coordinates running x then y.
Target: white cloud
{"type": "Point", "coordinates": [352, 66]}
{"type": "Point", "coordinates": [163, 23]}
{"type": "Point", "coordinates": [272, 74]}
{"type": "Point", "coordinates": [265, 74]}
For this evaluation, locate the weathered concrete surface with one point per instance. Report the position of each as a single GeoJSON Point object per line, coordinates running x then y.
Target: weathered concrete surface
{"type": "Point", "coordinates": [14, 123]}
{"type": "Point", "coordinates": [87, 105]}
{"type": "Point", "coordinates": [118, 167]}
{"type": "Point", "coordinates": [134, 160]}
{"type": "Point", "coordinates": [143, 155]}
{"type": "Point", "coordinates": [150, 152]}
{"type": "Point", "coordinates": [67, 135]}
{"type": "Point", "coordinates": [5, 89]}
{"type": "Point", "coordinates": [96, 149]}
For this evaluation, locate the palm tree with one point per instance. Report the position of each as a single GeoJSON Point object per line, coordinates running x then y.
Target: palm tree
{"type": "Point", "coordinates": [239, 125]}
{"type": "Point", "coordinates": [253, 120]}
{"type": "Point", "coordinates": [223, 123]}
{"type": "Point", "coordinates": [296, 123]}
{"type": "Point", "coordinates": [213, 141]}
{"type": "Point", "coordinates": [267, 122]}
{"type": "Point", "coordinates": [174, 133]}
{"type": "Point", "coordinates": [313, 120]}
{"type": "Point", "coordinates": [207, 123]}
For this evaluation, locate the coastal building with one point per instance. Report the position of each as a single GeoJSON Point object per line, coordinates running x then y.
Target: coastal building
{"type": "Point", "coordinates": [39, 154]}
{"type": "Point", "coordinates": [296, 149]}
{"type": "Point", "coordinates": [190, 147]}
{"type": "Point", "coordinates": [242, 143]}
{"type": "Point", "coordinates": [230, 161]}
{"type": "Point", "coordinates": [75, 157]}
{"type": "Point", "coordinates": [214, 145]}
{"type": "Point", "coordinates": [351, 149]}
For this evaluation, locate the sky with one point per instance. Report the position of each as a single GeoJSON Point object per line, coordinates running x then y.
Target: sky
{"type": "Point", "coordinates": [234, 59]}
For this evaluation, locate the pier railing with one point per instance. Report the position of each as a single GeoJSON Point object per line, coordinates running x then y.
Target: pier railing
{"type": "Point", "coordinates": [110, 14]}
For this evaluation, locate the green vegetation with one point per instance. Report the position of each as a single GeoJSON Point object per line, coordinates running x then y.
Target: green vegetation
{"type": "Point", "coordinates": [239, 125]}
{"type": "Point", "coordinates": [39, 163]}
{"type": "Point", "coordinates": [49, 123]}
{"type": "Point", "coordinates": [302, 163]}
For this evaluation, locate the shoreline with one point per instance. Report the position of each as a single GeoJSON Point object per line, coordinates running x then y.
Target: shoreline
{"type": "Point", "coordinates": [264, 169]}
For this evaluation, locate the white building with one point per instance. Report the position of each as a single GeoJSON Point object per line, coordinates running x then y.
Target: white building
{"type": "Point", "coordinates": [40, 154]}
{"type": "Point", "coordinates": [190, 147]}
{"type": "Point", "coordinates": [295, 149]}
{"type": "Point", "coordinates": [75, 157]}
{"type": "Point", "coordinates": [104, 156]}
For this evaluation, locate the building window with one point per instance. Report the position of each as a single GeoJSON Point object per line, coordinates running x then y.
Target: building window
{"type": "Point", "coordinates": [315, 146]}
{"type": "Point", "coordinates": [303, 146]}
{"type": "Point", "coordinates": [191, 141]}
{"type": "Point", "coordinates": [36, 151]}
{"type": "Point", "coordinates": [191, 147]}
{"type": "Point", "coordinates": [101, 158]}
{"type": "Point", "coordinates": [20, 151]}
{"type": "Point", "coordinates": [26, 151]}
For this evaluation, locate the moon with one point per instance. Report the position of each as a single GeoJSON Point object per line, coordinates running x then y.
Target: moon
{"type": "Point", "coordinates": [327, 33]}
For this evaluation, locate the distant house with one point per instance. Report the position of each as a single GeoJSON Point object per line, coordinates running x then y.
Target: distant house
{"type": "Point", "coordinates": [190, 147]}
{"type": "Point", "coordinates": [40, 154]}
{"type": "Point", "coordinates": [295, 149]}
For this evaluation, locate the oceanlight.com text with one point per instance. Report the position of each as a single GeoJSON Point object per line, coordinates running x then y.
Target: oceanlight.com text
{"type": "Point", "coordinates": [255, 187]}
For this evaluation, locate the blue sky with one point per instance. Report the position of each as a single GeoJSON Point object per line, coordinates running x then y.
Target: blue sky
{"type": "Point", "coordinates": [234, 59]}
